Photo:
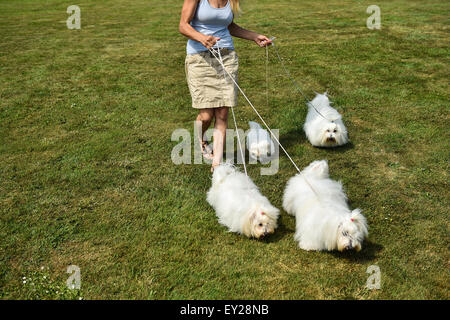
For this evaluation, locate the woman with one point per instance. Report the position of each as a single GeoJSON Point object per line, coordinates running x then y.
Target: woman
{"type": "Point", "coordinates": [205, 23]}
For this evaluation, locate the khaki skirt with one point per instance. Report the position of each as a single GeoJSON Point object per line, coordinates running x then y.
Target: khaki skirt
{"type": "Point", "coordinates": [207, 84]}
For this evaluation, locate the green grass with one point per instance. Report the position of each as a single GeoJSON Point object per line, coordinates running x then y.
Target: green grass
{"type": "Point", "coordinates": [86, 178]}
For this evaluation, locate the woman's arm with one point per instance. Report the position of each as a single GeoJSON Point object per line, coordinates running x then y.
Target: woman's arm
{"type": "Point", "coordinates": [187, 14]}
{"type": "Point", "coordinates": [239, 32]}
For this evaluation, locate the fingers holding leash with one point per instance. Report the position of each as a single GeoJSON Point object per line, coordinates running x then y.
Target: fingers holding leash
{"type": "Point", "coordinates": [209, 41]}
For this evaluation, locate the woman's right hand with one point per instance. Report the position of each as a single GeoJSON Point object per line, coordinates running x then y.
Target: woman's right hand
{"type": "Point", "coordinates": [208, 41]}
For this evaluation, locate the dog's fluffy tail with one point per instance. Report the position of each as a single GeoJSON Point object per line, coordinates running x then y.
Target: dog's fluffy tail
{"type": "Point", "coordinates": [323, 105]}
{"type": "Point", "coordinates": [221, 172]}
{"type": "Point", "coordinates": [321, 101]}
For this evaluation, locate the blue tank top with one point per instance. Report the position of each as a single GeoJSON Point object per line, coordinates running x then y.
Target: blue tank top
{"type": "Point", "coordinates": [212, 22]}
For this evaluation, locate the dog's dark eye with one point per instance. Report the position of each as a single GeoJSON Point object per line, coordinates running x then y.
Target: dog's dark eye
{"type": "Point", "coordinates": [328, 130]}
{"type": "Point", "coordinates": [260, 224]}
{"type": "Point", "coordinates": [334, 130]}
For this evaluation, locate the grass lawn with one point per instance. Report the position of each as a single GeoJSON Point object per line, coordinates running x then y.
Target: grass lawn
{"type": "Point", "coordinates": [86, 118]}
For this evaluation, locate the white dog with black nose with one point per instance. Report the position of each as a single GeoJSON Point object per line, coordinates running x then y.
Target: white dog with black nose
{"type": "Point", "coordinates": [323, 218]}
{"type": "Point", "coordinates": [239, 205]}
{"type": "Point", "coordinates": [324, 126]}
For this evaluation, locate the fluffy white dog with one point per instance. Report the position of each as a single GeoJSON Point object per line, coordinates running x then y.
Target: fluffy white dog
{"type": "Point", "coordinates": [259, 143]}
{"type": "Point", "coordinates": [239, 205]}
{"type": "Point", "coordinates": [323, 218]}
{"type": "Point", "coordinates": [328, 132]}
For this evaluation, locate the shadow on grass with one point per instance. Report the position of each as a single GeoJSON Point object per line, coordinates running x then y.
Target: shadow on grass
{"type": "Point", "coordinates": [368, 253]}
{"type": "Point", "coordinates": [280, 233]}
{"type": "Point", "coordinates": [340, 149]}
{"type": "Point", "coordinates": [293, 137]}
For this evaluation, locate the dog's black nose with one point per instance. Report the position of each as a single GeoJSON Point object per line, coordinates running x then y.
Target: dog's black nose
{"type": "Point", "coordinates": [349, 246]}
{"type": "Point", "coordinates": [263, 235]}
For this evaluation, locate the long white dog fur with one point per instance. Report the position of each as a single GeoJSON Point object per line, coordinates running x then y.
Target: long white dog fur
{"type": "Point", "coordinates": [239, 205]}
{"type": "Point", "coordinates": [323, 218]}
{"type": "Point", "coordinates": [329, 132]}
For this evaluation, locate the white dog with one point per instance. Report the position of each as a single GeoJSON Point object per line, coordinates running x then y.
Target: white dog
{"type": "Point", "coordinates": [323, 218]}
{"type": "Point", "coordinates": [239, 205]}
{"type": "Point", "coordinates": [328, 132]}
{"type": "Point", "coordinates": [259, 143]}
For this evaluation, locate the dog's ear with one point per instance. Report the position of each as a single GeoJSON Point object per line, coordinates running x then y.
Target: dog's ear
{"type": "Point", "coordinates": [358, 219]}
{"type": "Point", "coordinates": [247, 228]}
{"type": "Point", "coordinates": [248, 224]}
{"type": "Point", "coordinates": [356, 214]}
{"type": "Point", "coordinates": [341, 135]}
{"type": "Point", "coordinates": [272, 213]}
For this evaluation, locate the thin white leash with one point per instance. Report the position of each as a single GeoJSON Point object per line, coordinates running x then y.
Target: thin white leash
{"type": "Point", "coordinates": [256, 111]}
{"type": "Point", "coordinates": [296, 85]}
{"type": "Point", "coordinates": [232, 112]}
{"type": "Point", "coordinates": [298, 88]}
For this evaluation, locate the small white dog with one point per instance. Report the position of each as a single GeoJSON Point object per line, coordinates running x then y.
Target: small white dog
{"type": "Point", "coordinates": [329, 132]}
{"type": "Point", "coordinates": [239, 205]}
{"type": "Point", "coordinates": [259, 143]}
{"type": "Point", "coordinates": [323, 218]}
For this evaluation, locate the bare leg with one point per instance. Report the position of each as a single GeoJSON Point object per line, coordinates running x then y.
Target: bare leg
{"type": "Point", "coordinates": [203, 122]}
{"type": "Point", "coordinates": [220, 127]}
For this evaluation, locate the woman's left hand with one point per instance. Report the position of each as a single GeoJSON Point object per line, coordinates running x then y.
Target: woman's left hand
{"type": "Point", "coordinates": [262, 41]}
